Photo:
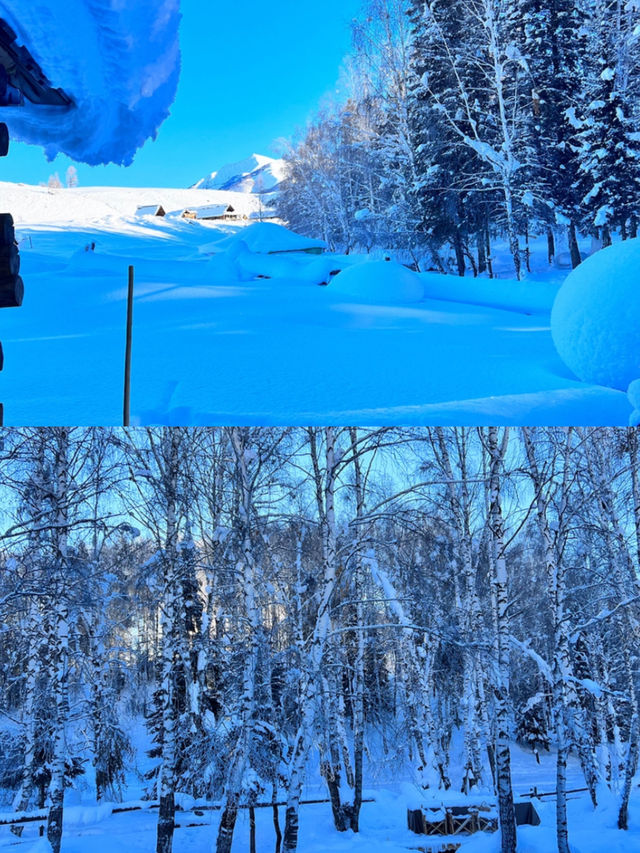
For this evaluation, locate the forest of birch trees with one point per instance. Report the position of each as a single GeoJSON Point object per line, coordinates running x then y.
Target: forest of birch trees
{"type": "Point", "coordinates": [463, 124]}
{"type": "Point", "coordinates": [276, 603]}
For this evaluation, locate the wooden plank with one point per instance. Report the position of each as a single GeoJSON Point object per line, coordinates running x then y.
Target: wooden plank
{"type": "Point", "coordinates": [40, 816]}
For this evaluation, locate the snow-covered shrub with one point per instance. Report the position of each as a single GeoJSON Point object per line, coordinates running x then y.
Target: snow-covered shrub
{"type": "Point", "coordinates": [595, 321]}
{"type": "Point", "coordinates": [634, 398]}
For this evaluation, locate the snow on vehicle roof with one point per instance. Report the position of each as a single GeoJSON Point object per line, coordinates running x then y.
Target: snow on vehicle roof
{"type": "Point", "coordinates": [267, 237]}
{"type": "Point", "coordinates": [118, 62]}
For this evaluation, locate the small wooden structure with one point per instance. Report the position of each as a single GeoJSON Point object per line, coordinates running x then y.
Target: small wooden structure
{"type": "Point", "coordinates": [465, 820]}
{"type": "Point", "coordinates": [151, 210]}
{"type": "Point", "coordinates": [452, 820]}
{"type": "Point", "coordinates": [212, 212]}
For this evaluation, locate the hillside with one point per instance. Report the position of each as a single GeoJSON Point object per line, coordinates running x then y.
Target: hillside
{"type": "Point", "coordinates": [110, 206]}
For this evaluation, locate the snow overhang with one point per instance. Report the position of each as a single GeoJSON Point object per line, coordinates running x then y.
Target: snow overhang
{"type": "Point", "coordinates": [107, 70]}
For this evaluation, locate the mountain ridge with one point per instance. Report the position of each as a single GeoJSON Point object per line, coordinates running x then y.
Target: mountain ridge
{"type": "Point", "coordinates": [256, 174]}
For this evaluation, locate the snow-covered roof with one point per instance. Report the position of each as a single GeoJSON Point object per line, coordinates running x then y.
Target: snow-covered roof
{"type": "Point", "coordinates": [210, 211]}
{"type": "Point", "coordinates": [150, 210]}
{"type": "Point", "coordinates": [118, 62]}
{"type": "Point", "coordinates": [267, 238]}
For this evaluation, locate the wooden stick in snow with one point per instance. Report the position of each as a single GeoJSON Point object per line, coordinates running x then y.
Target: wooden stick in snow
{"type": "Point", "coordinates": [127, 358]}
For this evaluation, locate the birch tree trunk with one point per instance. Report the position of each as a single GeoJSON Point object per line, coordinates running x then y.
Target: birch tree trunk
{"type": "Point", "coordinates": [496, 451]}
{"type": "Point", "coordinates": [358, 674]}
{"type": "Point", "coordinates": [247, 577]}
{"type": "Point", "coordinates": [169, 487]}
{"type": "Point", "coordinates": [325, 493]}
{"type": "Point", "coordinates": [459, 499]}
{"type": "Point", "coordinates": [59, 636]}
{"type": "Point", "coordinates": [630, 772]}
{"type": "Point", "coordinates": [564, 694]}
{"type": "Point", "coordinates": [34, 628]}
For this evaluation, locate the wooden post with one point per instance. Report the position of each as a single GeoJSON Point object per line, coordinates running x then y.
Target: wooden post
{"type": "Point", "coordinates": [126, 414]}
{"type": "Point", "coordinates": [252, 829]}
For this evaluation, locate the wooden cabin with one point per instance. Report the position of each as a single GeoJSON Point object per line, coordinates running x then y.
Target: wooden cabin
{"type": "Point", "coordinates": [212, 212]}
{"type": "Point", "coordinates": [151, 210]}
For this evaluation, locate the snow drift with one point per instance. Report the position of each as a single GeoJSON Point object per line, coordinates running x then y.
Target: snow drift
{"type": "Point", "coordinates": [530, 297]}
{"type": "Point", "coordinates": [379, 281]}
{"type": "Point", "coordinates": [266, 238]}
{"type": "Point", "coordinates": [595, 321]}
{"type": "Point", "coordinates": [119, 61]}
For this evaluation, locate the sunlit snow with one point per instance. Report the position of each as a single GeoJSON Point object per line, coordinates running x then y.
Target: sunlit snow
{"type": "Point", "coordinates": [215, 344]}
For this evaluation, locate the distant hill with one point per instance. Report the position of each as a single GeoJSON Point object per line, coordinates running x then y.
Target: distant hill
{"type": "Point", "coordinates": [256, 174]}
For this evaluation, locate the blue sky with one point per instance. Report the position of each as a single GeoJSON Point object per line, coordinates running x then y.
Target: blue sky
{"type": "Point", "coordinates": [252, 72]}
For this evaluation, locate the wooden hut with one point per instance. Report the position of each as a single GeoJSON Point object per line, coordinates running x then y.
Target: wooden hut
{"type": "Point", "coordinates": [151, 210]}
{"type": "Point", "coordinates": [212, 212]}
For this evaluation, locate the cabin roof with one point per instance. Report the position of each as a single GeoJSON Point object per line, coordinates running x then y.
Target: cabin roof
{"type": "Point", "coordinates": [210, 211]}
{"type": "Point", "coordinates": [150, 210]}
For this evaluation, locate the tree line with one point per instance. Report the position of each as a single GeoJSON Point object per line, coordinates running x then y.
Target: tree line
{"type": "Point", "coordinates": [469, 121]}
{"type": "Point", "coordinates": [272, 599]}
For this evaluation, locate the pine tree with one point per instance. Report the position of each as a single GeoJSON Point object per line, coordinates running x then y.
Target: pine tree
{"type": "Point", "coordinates": [554, 44]}
{"type": "Point", "coordinates": [609, 144]}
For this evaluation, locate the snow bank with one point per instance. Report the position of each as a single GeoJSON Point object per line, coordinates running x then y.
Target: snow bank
{"type": "Point", "coordinates": [595, 322]}
{"type": "Point", "coordinates": [529, 297]}
{"type": "Point", "coordinates": [378, 281]}
{"type": "Point", "coordinates": [118, 60]}
{"type": "Point", "coordinates": [267, 237]}
{"type": "Point", "coordinates": [305, 269]}
{"type": "Point", "coordinates": [270, 266]}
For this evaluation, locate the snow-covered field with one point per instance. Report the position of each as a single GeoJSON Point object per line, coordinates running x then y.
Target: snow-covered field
{"type": "Point", "coordinates": [215, 344]}
{"type": "Point", "coordinates": [383, 822]}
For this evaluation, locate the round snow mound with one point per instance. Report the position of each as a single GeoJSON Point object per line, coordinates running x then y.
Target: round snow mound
{"type": "Point", "coordinates": [595, 321]}
{"type": "Point", "coordinates": [378, 281]}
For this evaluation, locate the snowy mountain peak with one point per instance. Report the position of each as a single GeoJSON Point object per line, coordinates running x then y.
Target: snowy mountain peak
{"type": "Point", "coordinates": [255, 174]}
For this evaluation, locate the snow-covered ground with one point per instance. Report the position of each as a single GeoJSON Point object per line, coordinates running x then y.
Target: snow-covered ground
{"type": "Point", "coordinates": [214, 344]}
{"type": "Point", "coordinates": [383, 822]}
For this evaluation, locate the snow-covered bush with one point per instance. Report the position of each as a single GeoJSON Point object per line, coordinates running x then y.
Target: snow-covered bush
{"type": "Point", "coordinates": [634, 398]}
{"type": "Point", "coordinates": [378, 281]}
{"type": "Point", "coordinates": [595, 320]}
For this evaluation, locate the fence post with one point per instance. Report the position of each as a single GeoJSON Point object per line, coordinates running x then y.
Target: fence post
{"type": "Point", "coordinates": [126, 413]}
